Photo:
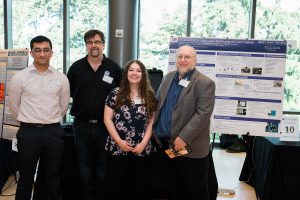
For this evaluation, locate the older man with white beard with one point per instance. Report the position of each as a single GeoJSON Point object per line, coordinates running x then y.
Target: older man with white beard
{"type": "Point", "coordinates": [185, 103]}
{"type": "Point", "coordinates": [91, 79]}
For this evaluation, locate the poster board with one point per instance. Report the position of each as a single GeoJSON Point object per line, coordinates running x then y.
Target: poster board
{"type": "Point", "coordinates": [11, 62]}
{"type": "Point", "coordinates": [249, 77]}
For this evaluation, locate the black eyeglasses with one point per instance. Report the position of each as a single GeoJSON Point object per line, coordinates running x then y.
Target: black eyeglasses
{"type": "Point", "coordinates": [96, 42]}
{"type": "Point", "coordinates": [45, 50]}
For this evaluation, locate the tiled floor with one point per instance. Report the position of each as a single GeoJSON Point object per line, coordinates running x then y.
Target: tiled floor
{"type": "Point", "coordinates": [228, 168]}
{"type": "Point", "coordinates": [227, 165]}
{"type": "Point", "coordinates": [10, 189]}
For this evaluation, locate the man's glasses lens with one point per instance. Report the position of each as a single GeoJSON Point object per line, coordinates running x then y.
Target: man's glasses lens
{"type": "Point", "coordinates": [38, 50]}
{"type": "Point", "coordinates": [97, 42]}
{"type": "Point", "coordinates": [179, 57]}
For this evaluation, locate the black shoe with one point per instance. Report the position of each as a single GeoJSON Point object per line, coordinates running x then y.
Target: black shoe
{"type": "Point", "coordinates": [237, 147]}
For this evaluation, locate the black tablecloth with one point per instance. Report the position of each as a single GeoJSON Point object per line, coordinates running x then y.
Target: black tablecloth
{"type": "Point", "coordinates": [272, 167]}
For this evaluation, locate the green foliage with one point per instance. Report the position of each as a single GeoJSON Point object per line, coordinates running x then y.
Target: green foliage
{"type": "Point", "coordinates": [85, 15]}
{"type": "Point", "coordinates": [277, 23]}
{"type": "Point", "coordinates": [221, 19]}
{"type": "Point", "coordinates": [46, 17]}
{"type": "Point", "coordinates": [209, 19]}
{"type": "Point", "coordinates": [154, 44]}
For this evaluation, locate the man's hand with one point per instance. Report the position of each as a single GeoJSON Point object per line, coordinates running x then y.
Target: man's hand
{"type": "Point", "coordinates": [179, 144]}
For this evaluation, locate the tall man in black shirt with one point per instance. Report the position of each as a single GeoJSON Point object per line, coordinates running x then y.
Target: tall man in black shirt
{"type": "Point", "coordinates": [91, 79]}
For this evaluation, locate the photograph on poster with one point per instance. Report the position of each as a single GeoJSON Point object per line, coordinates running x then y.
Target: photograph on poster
{"type": "Point", "coordinates": [257, 70]}
{"type": "Point", "coordinates": [241, 111]}
{"type": "Point", "coordinates": [246, 70]}
{"type": "Point", "coordinates": [242, 103]}
{"type": "Point", "coordinates": [272, 113]}
{"type": "Point", "coordinates": [272, 127]}
{"type": "Point", "coordinates": [277, 83]}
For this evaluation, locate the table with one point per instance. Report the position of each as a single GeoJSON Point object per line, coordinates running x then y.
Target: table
{"type": "Point", "coordinates": [272, 167]}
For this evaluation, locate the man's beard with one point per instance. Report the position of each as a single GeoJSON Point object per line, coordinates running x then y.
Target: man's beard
{"type": "Point", "coordinates": [183, 72]}
{"type": "Point", "coordinates": [95, 52]}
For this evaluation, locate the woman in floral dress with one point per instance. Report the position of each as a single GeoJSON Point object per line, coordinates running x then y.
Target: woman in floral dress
{"type": "Point", "coordinates": [128, 116]}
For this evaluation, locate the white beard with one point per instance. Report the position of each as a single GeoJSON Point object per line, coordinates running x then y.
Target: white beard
{"type": "Point", "coordinates": [183, 72]}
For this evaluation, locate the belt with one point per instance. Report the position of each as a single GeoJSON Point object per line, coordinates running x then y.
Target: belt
{"type": "Point", "coordinates": [38, 125]}
{"type": "Point", "coordinates": [85, 120]}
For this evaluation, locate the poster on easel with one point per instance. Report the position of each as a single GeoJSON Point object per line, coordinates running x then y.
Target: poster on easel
{"type": "Point", "coordinates": [249, 78]}
{"type": "Point", "coordinates": [11, 62]}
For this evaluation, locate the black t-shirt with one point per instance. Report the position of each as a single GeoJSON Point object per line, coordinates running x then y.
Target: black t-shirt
{"type": "Point", "coordinates": [89, 89]}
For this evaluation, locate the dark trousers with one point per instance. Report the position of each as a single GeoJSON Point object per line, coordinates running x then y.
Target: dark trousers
{"type": "Point", "coordinates": [189, 178]}
{"type": "Point", "coordinates": [90, 140]}
{"type": "Point", "coordinates": [186, 178]}
{"type": "Point", "coordinates": [45, 143]}
{"type": "Point", "coordinates": [127, 177]}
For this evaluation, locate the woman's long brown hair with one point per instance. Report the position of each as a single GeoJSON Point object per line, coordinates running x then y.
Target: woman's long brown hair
{"type": "Point", "coordinates": [145, 90]}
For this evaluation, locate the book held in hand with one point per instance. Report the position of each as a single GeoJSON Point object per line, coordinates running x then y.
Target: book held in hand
{"type": "Point", "coordinates": [172, 153]}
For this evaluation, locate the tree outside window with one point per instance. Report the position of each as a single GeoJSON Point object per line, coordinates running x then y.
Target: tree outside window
{"type": "Point", "coordinates": [85, 15]}
{"type": "Point", "coordinates": [157, 24]}
{"type": "Point", "coordinates": [278, 19]}
{"type": "Point", "coordinates": [220, 19]}
{"type": "Point", "coordinates": [39, 17]}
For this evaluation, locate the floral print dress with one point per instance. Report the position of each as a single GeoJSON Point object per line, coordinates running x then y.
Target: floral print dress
{"type": "Point", "coordinates": [131, 123]}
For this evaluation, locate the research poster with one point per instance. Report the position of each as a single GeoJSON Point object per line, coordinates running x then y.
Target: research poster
{"type": "Point", "coordinates": [249, 77]}
{"type": "Point", "coordinates": [11, 61]}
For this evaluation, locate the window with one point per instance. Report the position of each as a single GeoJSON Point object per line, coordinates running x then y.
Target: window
{"type": "Point", "coordinates": [157, 24]}
{"type": "Point", "coordinates": [220, 18]}
{"type": "Point", "coordinates": [39, 17]}
{"type": "Point", "coordinates": [1, 26]}
{"type": "Point", "coordinates": [278, 19]}
{"type": "Point", "coordinates": [85, 15]}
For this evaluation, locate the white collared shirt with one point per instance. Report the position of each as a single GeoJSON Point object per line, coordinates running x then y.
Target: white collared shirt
{"type": "Point", "coordinates": [39, 97]}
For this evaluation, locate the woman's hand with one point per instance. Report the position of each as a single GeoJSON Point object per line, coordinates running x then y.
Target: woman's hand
{"type": "Point", "coordinates": [139, 148]}
{"type": "Point", "coordinates": [125, 146]}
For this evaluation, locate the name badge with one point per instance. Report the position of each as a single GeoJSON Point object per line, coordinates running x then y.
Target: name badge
{"type": "Point", "coordinates": [107, 79]}
{"type": "Point", "coordinates": [54, 82]}
{"type": "Point", "coordinates": [184, 82]}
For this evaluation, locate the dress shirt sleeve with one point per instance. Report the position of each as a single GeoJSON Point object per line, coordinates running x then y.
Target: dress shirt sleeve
{"type": "Point", "coordinates": [64, 95]}
{"type": "Point", "coordinates": [14, 95]}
